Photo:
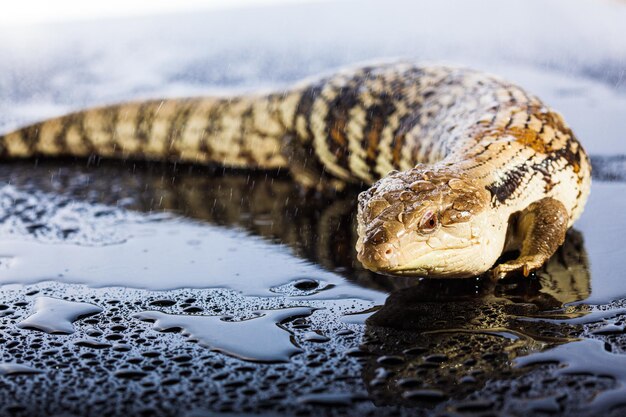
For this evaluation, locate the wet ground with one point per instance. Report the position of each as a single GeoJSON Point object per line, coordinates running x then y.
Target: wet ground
{"type": "Point", "coordinates": [149, 289]}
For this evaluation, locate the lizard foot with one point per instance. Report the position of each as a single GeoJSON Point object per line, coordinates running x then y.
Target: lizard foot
{"type": "Point", "coordinates": [524, 265]}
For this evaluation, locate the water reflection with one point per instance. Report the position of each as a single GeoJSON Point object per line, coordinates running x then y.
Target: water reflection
{"type": "Point", "coordinates": [316, 228]}
{"type": "Point", "coordinates": [444, 339]}
{"type": "Point", "coordinates": [418, 307]}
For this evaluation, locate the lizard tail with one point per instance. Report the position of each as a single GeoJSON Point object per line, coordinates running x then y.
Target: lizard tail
{"type": "Point", "coordinates": [240, 132]}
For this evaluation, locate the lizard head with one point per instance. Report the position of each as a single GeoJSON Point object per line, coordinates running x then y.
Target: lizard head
{"type": "Point", "coordinates": [428, 221]}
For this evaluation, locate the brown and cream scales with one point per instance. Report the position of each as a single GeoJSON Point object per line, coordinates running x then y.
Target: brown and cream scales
{"type": "Point", "coordinates": [461, 165]}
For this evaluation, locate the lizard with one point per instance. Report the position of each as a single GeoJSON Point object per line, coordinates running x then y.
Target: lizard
{"type": "Point", "coordinates": [461, 165]}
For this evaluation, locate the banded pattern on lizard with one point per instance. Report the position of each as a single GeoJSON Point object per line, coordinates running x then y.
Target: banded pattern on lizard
{"type": "Point", "coordinates": [462, 165]}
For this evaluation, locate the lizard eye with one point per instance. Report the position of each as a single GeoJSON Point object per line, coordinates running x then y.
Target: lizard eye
{"type": "Point", "coordinates": [429, 222]}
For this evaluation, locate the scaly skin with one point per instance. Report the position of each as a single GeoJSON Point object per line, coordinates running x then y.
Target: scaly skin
{"type": "Point", "coordinates": [484, 166]}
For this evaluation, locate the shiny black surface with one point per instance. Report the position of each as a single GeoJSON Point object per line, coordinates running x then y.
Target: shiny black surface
{"type": "Point", "coordinates": [387, 346]}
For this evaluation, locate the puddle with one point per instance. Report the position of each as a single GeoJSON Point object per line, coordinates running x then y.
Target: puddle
{"type": "Point", "coordinates": [55, 316]}
{"type": "Point", "coordinates": [160, 255]}
{"type": "Point", "coordinates": [257, 339]}
{"type": "Point", "coordinates": [172, 253]}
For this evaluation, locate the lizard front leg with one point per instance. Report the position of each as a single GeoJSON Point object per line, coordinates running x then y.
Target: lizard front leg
{"type": "Point", "coordinates": [541, 230]}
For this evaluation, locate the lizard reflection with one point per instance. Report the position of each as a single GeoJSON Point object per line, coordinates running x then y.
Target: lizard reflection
{"type": "Point", "coordinates": [445, 339]}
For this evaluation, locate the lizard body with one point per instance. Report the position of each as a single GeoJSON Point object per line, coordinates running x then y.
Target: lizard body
{"type": "Point", "coordinates": [461, 165]}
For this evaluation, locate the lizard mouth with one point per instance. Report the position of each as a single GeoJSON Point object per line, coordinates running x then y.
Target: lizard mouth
{"type": "Point", "coordinates": [388, 259]}
{"type": "Point", "coordinates": [392, 258]}
{"type": "Point", "coordinates": [416, 258]}
{"type": "Point", "coordinates": [379, 258]}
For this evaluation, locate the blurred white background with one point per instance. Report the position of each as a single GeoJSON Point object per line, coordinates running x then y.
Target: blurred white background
{"type": "Point", "coordinates": [37, 11]}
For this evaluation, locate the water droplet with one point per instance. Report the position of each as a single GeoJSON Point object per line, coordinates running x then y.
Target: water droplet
{"type": "Point", "coordinates": [332, 399]}
{"type": "Point", "coordinates": [16, 369]}
{"type": "Point", "coordinates": [315, 337]}
{"type": "Point", "coordinates": [428, 395]}
{"type": "Point", "coordinates": [92, 344]}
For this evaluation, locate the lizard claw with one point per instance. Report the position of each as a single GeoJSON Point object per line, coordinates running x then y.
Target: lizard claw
{"type": "Point", "coordinates": [523, 264]}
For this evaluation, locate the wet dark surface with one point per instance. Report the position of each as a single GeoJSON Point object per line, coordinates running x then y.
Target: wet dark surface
{"type": "Point", "coordinates": [379, 346]}
{"type": "Point", "coordinates": [148, 289]}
